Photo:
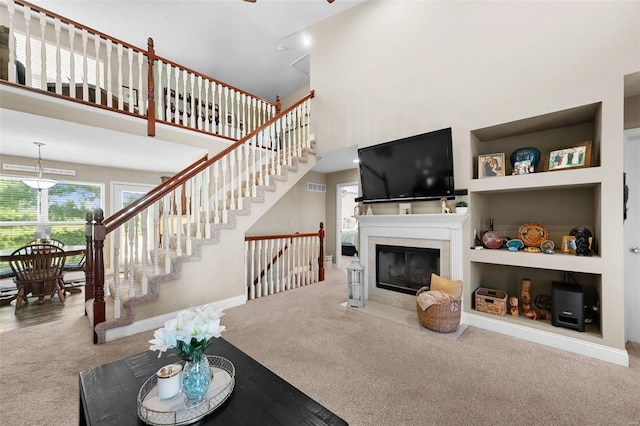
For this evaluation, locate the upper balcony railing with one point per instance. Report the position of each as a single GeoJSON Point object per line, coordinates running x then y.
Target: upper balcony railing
{"type": "Point", "coordinates": [43, 51]}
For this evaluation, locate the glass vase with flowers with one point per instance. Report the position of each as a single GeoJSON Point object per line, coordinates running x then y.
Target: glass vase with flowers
{"type": "Point", "coordinates": [190, 333]}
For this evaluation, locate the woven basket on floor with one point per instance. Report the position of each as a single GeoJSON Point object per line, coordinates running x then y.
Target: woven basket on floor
{"type": "Point", "coordinates": [441, 317]}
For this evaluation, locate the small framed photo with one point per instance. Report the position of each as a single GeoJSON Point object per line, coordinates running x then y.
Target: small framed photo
{"type": "Point", "coordinates": [523, 167]}
{"type": "Point", "coordinates": [572, 157]}
{"type": "Point", "coordinates": [129, 95]}
{"type": "Point", "coordinates": [490, 165]}
{"type": "Point", "coordinates": [568, 244]}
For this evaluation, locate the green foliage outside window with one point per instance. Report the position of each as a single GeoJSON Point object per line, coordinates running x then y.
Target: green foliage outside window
{"type": "Point", "coordinates": [67, 202]}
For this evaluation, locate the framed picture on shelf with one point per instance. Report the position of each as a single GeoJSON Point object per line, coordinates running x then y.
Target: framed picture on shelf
{"type": "Point", "coordinates": [568, 244]}
{"type": "Point", "coordinates": [490, 165]}
{"type": "Point", "coordinates": [572, 157]}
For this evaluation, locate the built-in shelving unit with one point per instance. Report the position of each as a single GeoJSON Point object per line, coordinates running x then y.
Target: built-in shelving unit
{"type": "Point", "coordinates": [559, 200]}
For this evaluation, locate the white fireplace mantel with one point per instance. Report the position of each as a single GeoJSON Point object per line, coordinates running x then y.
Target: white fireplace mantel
{"type": "Point", "coordinates": [446, 227]}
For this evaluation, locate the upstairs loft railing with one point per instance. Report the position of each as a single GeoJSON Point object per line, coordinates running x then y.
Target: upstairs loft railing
{"type": "Point", "coordinates": [45, 52]}
{"type": "Point", "coordinates": [148, 234]}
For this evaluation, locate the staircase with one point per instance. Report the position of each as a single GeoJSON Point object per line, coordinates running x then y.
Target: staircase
{"type": "Point", "coordinates": [183, 243]}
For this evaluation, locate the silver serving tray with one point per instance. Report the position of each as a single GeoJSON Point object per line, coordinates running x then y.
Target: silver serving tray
{"type": "Point", "coordinates": [154, 411]}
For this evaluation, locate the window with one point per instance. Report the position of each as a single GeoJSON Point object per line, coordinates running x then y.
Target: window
{"type": "Point", "coordinates": [59, 212]}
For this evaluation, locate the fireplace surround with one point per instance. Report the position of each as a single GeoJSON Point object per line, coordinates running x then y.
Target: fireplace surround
{"type": "Point", "coordinates": [441, 232]}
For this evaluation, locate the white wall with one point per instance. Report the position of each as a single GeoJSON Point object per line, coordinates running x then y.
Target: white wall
{"type": "Point", "coordinates": [389, 69]}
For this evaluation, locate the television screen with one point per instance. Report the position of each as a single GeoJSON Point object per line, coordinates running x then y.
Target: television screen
{"type": "Point", "coordinates": [415, 168]}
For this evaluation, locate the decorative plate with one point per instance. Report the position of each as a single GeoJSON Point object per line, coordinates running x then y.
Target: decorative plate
{"type": "Point", "coordinates": [533, 234]}
{"type": "Point", "coordinates": [492, 240]}
{"type": "Point", "coordinates": [527, 154]}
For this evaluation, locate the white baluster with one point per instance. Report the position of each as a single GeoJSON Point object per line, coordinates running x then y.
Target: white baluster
{"type": "Point", "coordinates": [56, 26]}
{"type": "Point", "coordinates": [98, 91]}
{"type": "Point", "coordinates": [247, 169]}
{"type": "Point", "coordinates": [207, 125]}
{"type": "Point", "coordinates": [200, 106]}
{"type": "Point", "coordinates": [136, 232]}
{"type": "Point", "coordinates": [156, 230]}
{"type": "Point", "coordinates": [142, 94]}
{"type": "Point", "coordinates": [176, 78]}
{"type": "Point", "coordinates": [85, 66]}
{"type": "Point", "coordinates": [221, 113]}
{"type": "Point", "coordinates": [165, 233]}
{"type": "Point", "coordinates": [257, 279]}
{"type": "Point", "coordinates": [206, 199]}
{"type": "Point", "coordinates": [12, 75]}
{"type": "Point", "coordinates": [192, 100]}
{"type": "Point", "coordinates": [130, 77]}
{"type": "Point", "coordinates": [225, 112]}
{"type": "Point", "coordinates": [109, 48]}
{"type": "Point", "coordinates": [232, 178]}
{"type": "Point", "coordinates": [178, 201]}
{"type": "Point", "coordinates": [272, 289]}
{"type": "Point", "coordinates": [12, 47]}
{"type": "Point", "coordinates": [189, 201]}
{"type": "Point", "coordinates": [239, 157]}
{"type": "Point", "coordinates": [131, 273]}
{"type": "Point", "coordinates": [72, 61]}
{"type": "Point", "coordinates": [120, 52]}
{"type": "Point", "coordinates": [263, 270]}
{"type": "Point", "coordinates": [117, 240]}
{"type": "Point", "coordinates": [198, 195]}
{"type": "Point", "coordinates": [143, 254]}
{"type": "Point", "coordinates": [248, 269]}
{"type": "Point", "coordinates": [43, 51]}
{"type": "Point", "coordinates": [216, 207]}
{"type": "Point", "coordinates": [223, 188]}
{"type": "Point", "coordinates": [162, 106]}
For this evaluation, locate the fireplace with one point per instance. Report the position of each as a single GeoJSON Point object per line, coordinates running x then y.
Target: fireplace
{"type": "Point", "coordinates": [405, 269]}
{"type": "Point", "coordinates": [439, 232]}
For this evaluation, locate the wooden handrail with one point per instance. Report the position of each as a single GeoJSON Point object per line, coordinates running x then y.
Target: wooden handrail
{"type": "Point", "coordinates": [122, 216]}
{"type": "Point", "coordinates": [128, 212]}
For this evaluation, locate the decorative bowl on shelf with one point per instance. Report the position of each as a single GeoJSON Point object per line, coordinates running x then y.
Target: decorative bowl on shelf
{"type": "Point", "coordinates": [524, 160]}
{"type": "Point", "coordinates": [533, 234]}
{"type": "Point", "coordinates": [492, 240]}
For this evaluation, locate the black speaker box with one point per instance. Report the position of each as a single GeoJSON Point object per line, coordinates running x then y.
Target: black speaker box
{"type": "Point", "coordinates": [567, 306]}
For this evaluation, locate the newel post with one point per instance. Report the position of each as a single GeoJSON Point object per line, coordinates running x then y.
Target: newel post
{"type": "Point", "coordinates": [98, 272]}
{"type": "Point", "coordinates": [88, 256]}
{"type": "Point", "coordinates": [321, 257]}
{"type": "Point", "coordinates": [151, 107]}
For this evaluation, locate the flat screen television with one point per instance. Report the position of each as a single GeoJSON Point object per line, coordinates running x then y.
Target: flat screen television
{"type": "Point", "coordinates": [419, 167]}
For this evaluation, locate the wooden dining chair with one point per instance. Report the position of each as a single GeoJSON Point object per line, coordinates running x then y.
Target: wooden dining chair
{"type": "Point", "coordinates": [38, 270]}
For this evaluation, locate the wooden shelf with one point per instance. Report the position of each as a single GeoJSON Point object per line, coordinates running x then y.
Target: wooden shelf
{"type": "Point", "coordinates": [557, 261]}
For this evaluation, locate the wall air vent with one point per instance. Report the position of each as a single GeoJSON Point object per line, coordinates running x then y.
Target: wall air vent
{"type": "Point", "coordinates": [316, 187]}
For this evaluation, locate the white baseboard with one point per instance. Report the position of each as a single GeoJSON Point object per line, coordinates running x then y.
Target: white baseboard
{"type": "Point", "coordinates": [157, 322]}
{"type": "Point", "coordinates": [581, 347]}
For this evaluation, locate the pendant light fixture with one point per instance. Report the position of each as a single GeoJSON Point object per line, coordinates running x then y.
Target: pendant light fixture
{"type": "Point", "coordinates": [39, 182]}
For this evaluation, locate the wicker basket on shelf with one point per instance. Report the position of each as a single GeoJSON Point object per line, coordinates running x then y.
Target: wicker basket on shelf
{"type": "Point", "coordinates": [441, 317]}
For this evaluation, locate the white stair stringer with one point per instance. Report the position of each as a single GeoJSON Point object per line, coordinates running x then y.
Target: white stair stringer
{"type": "Point", "coordinates": [213, 273]}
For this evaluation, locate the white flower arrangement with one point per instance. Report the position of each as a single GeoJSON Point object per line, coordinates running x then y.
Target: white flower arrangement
{"type": "Point", "coordinates": [190, 332]}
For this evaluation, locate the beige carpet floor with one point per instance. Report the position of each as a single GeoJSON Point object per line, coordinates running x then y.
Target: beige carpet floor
{"type": "Point", "coordinates": [366, 368]}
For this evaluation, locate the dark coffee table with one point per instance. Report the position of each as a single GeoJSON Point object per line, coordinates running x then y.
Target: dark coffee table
{"type": "Point", "coordinates": [260, 397]}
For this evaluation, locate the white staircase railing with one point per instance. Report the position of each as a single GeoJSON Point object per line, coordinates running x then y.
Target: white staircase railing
{"type": "Point", "coordinates": [163, 224]}
{"type": "Point", "coordinates": [277, 263]}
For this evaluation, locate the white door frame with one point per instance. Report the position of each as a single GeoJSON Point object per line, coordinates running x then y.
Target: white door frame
{"type": "Point", "coordinates": [338, 251]}
{"type": "Point", "coordinates": [632, 237]}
